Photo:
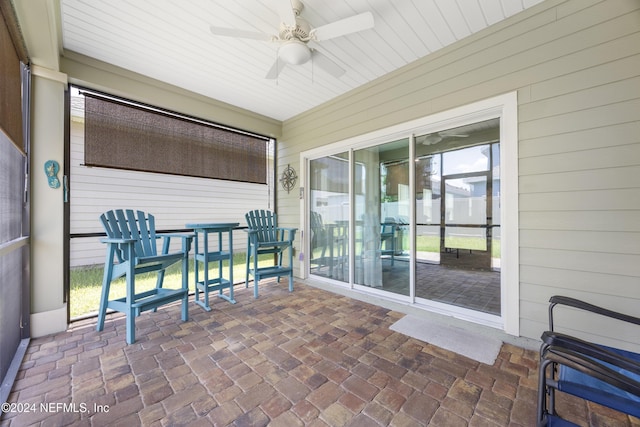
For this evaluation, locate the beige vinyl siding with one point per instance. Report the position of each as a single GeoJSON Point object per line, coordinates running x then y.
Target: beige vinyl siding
{"type": "Point", "coordinates": [576, 67]}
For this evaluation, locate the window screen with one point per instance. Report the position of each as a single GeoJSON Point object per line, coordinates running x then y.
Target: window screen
{"type": "Point", "coordinates": [124, 135]}
{"type": "Point", "coordinates": [10, 78]}
{"type": "Point", "coordinates": [14, 207]}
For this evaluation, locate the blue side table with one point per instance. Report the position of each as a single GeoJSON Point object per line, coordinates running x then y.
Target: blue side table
{"type": "Point", "coordinates": [204, 255]}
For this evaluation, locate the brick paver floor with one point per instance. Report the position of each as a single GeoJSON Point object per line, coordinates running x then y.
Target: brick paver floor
{"type": "Point", "coordinates": [307, 358]}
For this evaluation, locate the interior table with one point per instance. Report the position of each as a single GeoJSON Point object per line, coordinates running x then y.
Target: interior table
{"type": "Point", "coordinates": [204, 254]}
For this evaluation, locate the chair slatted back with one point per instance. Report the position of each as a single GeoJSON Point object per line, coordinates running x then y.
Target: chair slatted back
{"type": "Point", "coordinates": [127, 224]}
{"type": "Point", "coordinates": [265, 223]}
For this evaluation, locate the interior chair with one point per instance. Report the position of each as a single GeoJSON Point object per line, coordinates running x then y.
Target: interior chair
{"type": "Point", "coordinates": [319, 239]}
{"type": "Point", "coordinates": [265, 237]}
{"type": "Point", "coordinates": [594, 372]}
{"type": "Point", "coordinates": [388, 238]}
{"type": "Point", "coordinates": [132, 250]}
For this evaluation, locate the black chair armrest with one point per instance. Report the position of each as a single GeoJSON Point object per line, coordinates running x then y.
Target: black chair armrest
{"type": "Point", "coordinates": [572, 302]}
{"type": "Point", "coordinates": [591, 350]}
{"type": "Point", "coordinates": [591, 367]}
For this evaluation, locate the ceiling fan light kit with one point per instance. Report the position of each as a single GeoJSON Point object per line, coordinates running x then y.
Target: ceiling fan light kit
{"type": "Point", "coordinates": [295, 33]}
{"type": "Point", "coordinates": [294, 52]}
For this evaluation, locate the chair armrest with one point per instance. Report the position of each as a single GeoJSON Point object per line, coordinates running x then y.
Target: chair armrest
{"type": "Point", "coordinates": [591, 367]}
{"type": "Point", "coordinates": [572, 302]}
{"type": "Point", "coordinates": [595, 351]}
{"type": "Point", "coordinates": [181, 235]}
{"type": "Point", "coordinates": [117, 240]}
{"type": "Point", "coordinates": [291, 231]}
{"type": "Point", "coordinates": [186, 241]}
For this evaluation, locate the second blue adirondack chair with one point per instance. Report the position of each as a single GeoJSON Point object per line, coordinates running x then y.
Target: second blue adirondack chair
{"type": "Point", "coordinates": [265, 237]}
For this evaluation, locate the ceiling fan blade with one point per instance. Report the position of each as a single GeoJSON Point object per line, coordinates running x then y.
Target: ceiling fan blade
{"type": "Point", "coordinates": [275, 70]}
{"type": "Point", "coordinates": [286, 13]}
{"type": "Point", "coordinates": [453, 135]}
{"type": "Point", "coordinates": [327, 64]}
{"type": "Point", "coordinates": [356, 23]}
{"type": "Point", "coordinates": [232, 32]}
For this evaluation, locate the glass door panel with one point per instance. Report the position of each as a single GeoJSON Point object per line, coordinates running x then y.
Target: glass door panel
{"type": "Point", "coordinates": [495, 208]}
{"type": "Point", "coordinates": [382, 217]}
{"type": "Point", "coordinates": [428, 208]}
{"type": "Point", "coordinates": [465, 243]}
{"type": "Point", "coordinates": [329, 216]}
{"type": "Point", "coordinates": [458, 216]}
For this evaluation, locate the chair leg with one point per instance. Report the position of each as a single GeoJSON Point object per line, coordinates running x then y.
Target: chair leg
{"type": "Point", "coordinates": [160, 276]}
{"type": "Point", "coordinates": [159, 282]}
{"type": "Point", "coordinates": [280, 261]}
{"type": "Point", "coordinates": [290, 267]}
{"type": "Point", "coordinates": [130, 311]}
{"type": "Point", "coordinates": [393, 248]}
{"type": "Point", "coordinates": [106, 285]}
{"type": "Point", "coordinates": [246, 280]}
{"type": "Point", "coordinates": [546, 396]}
{"type": "Point", "coordinates": [104, 299]}
{"type": "Point", "coordinates": [256, 274]}
{"type": "Point", "coordinates": [185, 287]}
{"type": "Point", "coordinates": [160, 279]}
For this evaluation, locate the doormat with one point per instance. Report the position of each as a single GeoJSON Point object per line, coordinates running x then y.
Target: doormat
{"type": "Point", "coordinates": [472, 345]}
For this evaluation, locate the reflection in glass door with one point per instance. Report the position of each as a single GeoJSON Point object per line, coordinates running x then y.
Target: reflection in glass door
{"type": "Point", "coordinates": [457, 229]}
{"type": "Point", "coordinates": [428, 215]}
{"type": "Point", "coordinates": [382, 217]}
{"type": "Point", "coordinates": [329, 216]}
{"type": "Point", "coordinates": [466, 213]}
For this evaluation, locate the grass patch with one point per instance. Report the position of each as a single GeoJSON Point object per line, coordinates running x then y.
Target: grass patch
{"type": "Point", "coordinates": [86, 282]}
{"type": "Point", "coordinates": [432, 244]}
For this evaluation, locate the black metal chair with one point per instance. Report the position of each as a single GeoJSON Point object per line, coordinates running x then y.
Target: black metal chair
{"type": "Point", "coordinates": [601, 374]}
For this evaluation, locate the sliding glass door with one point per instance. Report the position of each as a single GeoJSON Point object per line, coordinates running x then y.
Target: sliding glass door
{"type": "Point", "coordinates": [414, 218]}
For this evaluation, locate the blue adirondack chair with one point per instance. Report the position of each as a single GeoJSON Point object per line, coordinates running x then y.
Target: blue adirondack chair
{"type": "Point", "coordinates": [131, 250]}
{"type": "Point", "coordinates": [388, 238]}
{"type": "Point", "coordinates": [601, 374]}
{"type": "Point", "coordinates": [265, 237]}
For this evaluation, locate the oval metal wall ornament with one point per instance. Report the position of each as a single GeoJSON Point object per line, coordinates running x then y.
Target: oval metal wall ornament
{"type": "Point", "coordinates": [288, 178]}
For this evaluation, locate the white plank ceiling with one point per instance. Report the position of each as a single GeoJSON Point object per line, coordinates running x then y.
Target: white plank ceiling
{"type": "Point", "coordinates": [170, 40]}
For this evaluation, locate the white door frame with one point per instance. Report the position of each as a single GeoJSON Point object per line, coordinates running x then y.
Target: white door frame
{"type": "Point", "coordinates": [504, 107]}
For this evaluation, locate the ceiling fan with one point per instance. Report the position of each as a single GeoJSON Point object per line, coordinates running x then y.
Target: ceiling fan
{"type": "Point", "coordinates": [295, 35]}
{"type": "Point", "coordinates": [434, 138]}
